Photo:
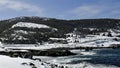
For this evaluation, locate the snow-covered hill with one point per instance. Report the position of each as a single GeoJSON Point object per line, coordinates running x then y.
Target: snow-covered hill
{"type": "Point", "coordinates": [27, 32]}
{"type": "Point", "coordinates": [30, 25]}
{"type": "Point", "coordinates": [21, 27]}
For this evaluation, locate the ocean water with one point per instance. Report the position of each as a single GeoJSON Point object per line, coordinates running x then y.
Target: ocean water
{"type": "Point", "coordinates": [103, 56]}
{"type": "Point", "coordinates": [109, 57]}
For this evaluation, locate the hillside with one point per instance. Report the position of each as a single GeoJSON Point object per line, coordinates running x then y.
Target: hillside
{"type": "Point", "coordinates": [38, 29]}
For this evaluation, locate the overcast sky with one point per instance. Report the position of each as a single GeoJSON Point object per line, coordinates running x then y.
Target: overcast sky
{"type": "Point", "coordinates": [61, 9]}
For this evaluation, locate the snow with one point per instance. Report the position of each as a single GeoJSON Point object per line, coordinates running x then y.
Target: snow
{"type": "Point", "coordinates": [94, 41]}
{"type": "Point", "coordinates": [91, 29]}
{"type": "Point", "coordinates": [8, 62]}
{"type": "Point", "coordinates": [30, 25]}
{"type": "Point", "coordinates": [57, 38]}
{"type": "Point", "coordinates": [83, 52]}
{"type": "Point", "coordinates": [1, 47]}
{"type": "Point", "coordinates": [21, 31]}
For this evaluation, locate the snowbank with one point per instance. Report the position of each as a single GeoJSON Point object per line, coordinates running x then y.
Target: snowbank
{"type": "Point", "coordinates": [8, 62]}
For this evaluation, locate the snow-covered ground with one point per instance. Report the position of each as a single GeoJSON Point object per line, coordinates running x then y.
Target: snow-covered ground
{"type": "Point", "coordinates": [98, 41]}
{"type": "Point", "coordinates": [89, 41]}
{"type": "Point", "coordinates": [8, 62]}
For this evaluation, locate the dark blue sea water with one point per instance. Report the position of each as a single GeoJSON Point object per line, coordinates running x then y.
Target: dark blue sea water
{"type": "Point", "coordinates": [109, 57]}
{"type": "Point", "coordinates": [103, 56]}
